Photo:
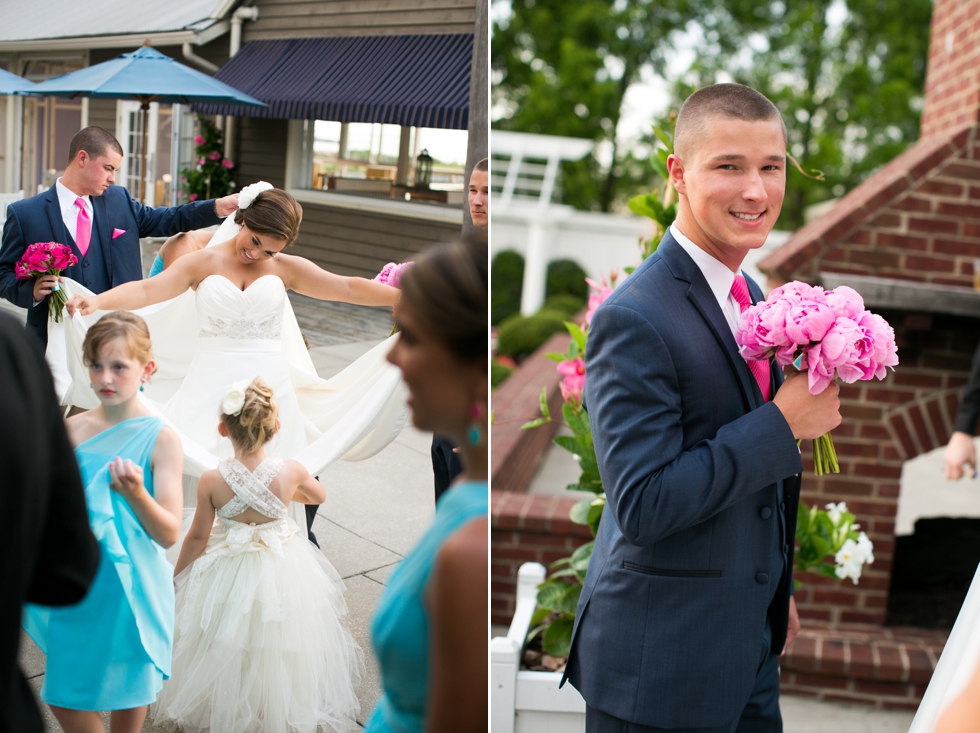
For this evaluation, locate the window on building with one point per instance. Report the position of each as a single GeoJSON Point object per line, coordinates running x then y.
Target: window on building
{"type": "Point", "coordinates": [368, 159]}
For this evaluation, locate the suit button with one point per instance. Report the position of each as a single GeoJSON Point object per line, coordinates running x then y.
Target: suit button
{"type": "Point", "coordinates": [86, 263]}
{"type": "Point", "coordinates": [762, 577]}
{"type": "Point", "coordinates": [765, 512]}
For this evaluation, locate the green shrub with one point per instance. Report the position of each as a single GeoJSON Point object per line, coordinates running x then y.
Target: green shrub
{"type": "Point", "coordinates": [519, 336]}
{"type": "Point", "coordinates": [506, 281]}
{"type": "Point", "coordinates": [566, 277]}
{"type": "Point", "coordinates": [498, 373]}
{"type": "Point", "coordinates": [564, 303]}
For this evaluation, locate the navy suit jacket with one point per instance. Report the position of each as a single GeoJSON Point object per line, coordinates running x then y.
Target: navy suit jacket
{"type": "Point", "coordinates": [38, 219]}
{"type": "Point", "coordinates": [671, 619]}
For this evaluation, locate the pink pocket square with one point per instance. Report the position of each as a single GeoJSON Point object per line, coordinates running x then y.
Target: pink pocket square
{"type": "Point", "coordinates": [118, 233]}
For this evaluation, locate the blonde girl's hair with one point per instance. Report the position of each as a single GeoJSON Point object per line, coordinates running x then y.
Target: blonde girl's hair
{"type": "Point", "coordinates": [118, 324]}
{"type": "Point", "coordinates": [255, 425]}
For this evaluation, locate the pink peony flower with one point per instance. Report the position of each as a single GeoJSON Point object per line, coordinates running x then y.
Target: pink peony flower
{"type": "Point", "coordinates": [808, 321]}
{"type": "Point", "coordinates": [391, 274]}
{"type": "Point", "coordinates": [192, 197]}
{"type": "Point", "coordinates": [198, 140]}
{"type": "Point", "coordinates": [846, 302]}
{"type": "Point", "coordinates": [573, 379]}
{"type": "Point", "coordinates": [227, 163]}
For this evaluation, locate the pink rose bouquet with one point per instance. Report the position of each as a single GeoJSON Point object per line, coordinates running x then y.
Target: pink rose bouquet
{"type": "Point", "coordinates": [828, 334]}
{"type": "Point", "coordinates": [391, 274]}
{"type": "Point", "coordinates": [47, 258]}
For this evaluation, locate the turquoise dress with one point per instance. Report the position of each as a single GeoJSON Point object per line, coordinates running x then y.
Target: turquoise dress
{"type": "Point", "coordinates": [112, 650]}
{"type": "Point", "coordinates": [157, 267]}
{"type": "Point", "coordinates": [400, 630]}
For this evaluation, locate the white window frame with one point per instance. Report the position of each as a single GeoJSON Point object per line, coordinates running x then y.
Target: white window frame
{"type": "Point", "coordinates": [299, 175]}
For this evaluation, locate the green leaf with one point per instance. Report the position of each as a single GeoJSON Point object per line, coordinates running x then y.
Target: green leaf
{"type": "Point", "coordinates": [555, 356]}
{"type": "Point", "coordinates": [665, 138]}
{"type": "Point", "coordinates": [595, 514]}
{"type": "Point", "coordinates": [569, 601]}
{"type": "Point", "coordinates": [659, 164]}
{"type": "Point", "coordinates": [558, 637]}
{"type": "Point", "coordinates": [578, 335]}
{"type": "Point", "coordinates": [574, 420]}
{"type": "Point", "coordinates": [580, 512]}
{"type": "Point", "coordinates": [580, 558]}
{"type": "Point", "coordinates": [550, 593]}
{"type": "Point", "coordinates": [572, 445]}
{"type": "Point", "coordinates": [539, 615]}
{"type": "Point", "coordinates": [536, 423]}
{"type": "Point", "coordinates": [594, 488]}
{"type": "Point", "coordinates": [545, 412]}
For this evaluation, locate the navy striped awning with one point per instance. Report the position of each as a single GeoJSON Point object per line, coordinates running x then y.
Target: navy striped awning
{"type": "Point", "coordinates": [421, 80]}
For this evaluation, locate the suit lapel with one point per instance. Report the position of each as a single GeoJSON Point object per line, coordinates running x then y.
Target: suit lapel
{"type": "Point", "coordinates": [703, 300]}
{"type": "Point", "coordinates": [53, 209]}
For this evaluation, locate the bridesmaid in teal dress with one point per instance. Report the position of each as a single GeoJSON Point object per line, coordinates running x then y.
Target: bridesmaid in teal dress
{"type": "Point", "coordinates": [112, 650]}
{"type": "Point", "coordinates": [433, 659]}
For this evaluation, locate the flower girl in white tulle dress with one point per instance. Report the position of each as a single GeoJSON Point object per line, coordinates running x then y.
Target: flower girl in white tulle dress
{"type": "Point", "coordinates": [260, 644]}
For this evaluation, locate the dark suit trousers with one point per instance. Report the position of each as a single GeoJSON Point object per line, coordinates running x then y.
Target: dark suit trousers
{"type": "Point", "coordinates": [445, 464]}
{"type": "Point", "coordinates": [760, 715]}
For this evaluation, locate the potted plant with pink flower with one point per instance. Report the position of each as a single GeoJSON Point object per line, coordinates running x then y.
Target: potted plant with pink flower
{"type": "Point", "coordinates": [210, 176]}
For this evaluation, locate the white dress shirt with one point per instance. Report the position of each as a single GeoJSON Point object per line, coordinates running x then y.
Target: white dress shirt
{"type": "Point", "coordinates": [69, 211]}
{"type": "Point", "coordinates": [719, 277]}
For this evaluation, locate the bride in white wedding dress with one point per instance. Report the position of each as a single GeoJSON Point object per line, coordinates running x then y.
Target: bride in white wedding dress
{"type": "Point", "coordinates": [221, 315]}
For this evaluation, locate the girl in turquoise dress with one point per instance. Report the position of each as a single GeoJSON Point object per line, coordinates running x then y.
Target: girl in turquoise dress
{"type": "Point", "coordinates": [433, 664]}
{"type": "Point", "coordinates": [112, 650]}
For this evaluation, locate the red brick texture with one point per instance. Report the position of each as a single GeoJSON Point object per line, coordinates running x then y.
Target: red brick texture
{"type": "Point", "coordinates": [516, 452]}
{"type": "Point", "coordinates": [526, 528]}
{"type": "Point", "coordinates": [952, 93]}
{"type": "Point", "coordinates": [884, 667]}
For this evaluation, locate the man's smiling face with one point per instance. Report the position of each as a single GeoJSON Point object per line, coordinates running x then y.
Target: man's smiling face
{"type": "Point", "coordinates": [734, 180]}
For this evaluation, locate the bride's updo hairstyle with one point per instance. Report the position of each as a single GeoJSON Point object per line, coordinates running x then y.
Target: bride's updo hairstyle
{"type": "Point", "coordinates": [118, 324]}
{"type": "Point", "coordinates": [446, 291]}
{"type": "Point", "coordinates": [255, 425]}
{"type": "Point", "coordinates": [273, 213]}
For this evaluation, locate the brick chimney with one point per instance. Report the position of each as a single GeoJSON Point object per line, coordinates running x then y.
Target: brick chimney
{"type": "Point", "coordinates": [952, 94]}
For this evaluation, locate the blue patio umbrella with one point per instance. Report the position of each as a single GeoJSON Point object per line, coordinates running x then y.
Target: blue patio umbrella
{"type": "Point", "coordinates": [13, 84]}
{"type": "Point", "coordinates": [147, 76]}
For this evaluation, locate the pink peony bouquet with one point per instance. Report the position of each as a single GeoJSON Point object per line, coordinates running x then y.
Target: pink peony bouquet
{"type": "Point", "coordinates": [47, 258]}
{"type": "Point", "coordinates": [828, 334]}
{"type": "Point", "coordinates": [391, 274]}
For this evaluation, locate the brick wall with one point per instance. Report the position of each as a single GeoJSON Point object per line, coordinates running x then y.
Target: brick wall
{"type": "Point", "coordinates": [885, 424]}
{"type": "Point", "coordinates": [526, 528]}
{"type": "Point", "coordinates": [952, 93]}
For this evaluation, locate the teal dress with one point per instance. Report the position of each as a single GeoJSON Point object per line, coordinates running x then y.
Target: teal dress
{"type": "Point", "coordinates": [400, 630]}
{"type": "Point", "coordinates": [157, 267]}
{"type": "Point", "coordinates": [112, 650]}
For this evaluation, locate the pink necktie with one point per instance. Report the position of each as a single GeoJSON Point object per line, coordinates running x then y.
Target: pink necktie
{"type": "Point", "coordinates": [83, 227]}
{"type": "Point", "coordinates": [760, 369]}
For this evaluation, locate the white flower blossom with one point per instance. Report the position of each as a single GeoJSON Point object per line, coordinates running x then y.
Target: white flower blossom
{"type": "Point", "coordinates": [853, 556]}
{"type": "Point", "coordinates": [234, 399]}
{"type": "Point", "coordinates": [835, 511]}
{"type": "Point", "coordinates": [247, 195]}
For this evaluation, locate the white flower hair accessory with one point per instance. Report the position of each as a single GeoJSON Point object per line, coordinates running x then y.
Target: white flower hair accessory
{"type": "Point", "coordinates": [247, 195]}
{"type": "Point", "coordinates": [234, 399]}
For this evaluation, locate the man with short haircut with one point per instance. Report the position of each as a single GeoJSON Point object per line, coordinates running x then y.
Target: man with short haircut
{"type": "Point", "coordinates": [101, 223]}
{"type": "Point", "coordinates": [688, 597]}
{"type": "Point", "coordinates": [479, 195]}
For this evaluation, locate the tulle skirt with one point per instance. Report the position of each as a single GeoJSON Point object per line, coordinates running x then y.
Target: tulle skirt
{"type": "Point", "coordinates": [260, 642]}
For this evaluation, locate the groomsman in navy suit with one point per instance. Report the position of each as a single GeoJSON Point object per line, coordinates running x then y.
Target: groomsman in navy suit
{"type": "Point", "coordinates": [688, 597]}
{"type": "Point", "coordinates": [101, 223]}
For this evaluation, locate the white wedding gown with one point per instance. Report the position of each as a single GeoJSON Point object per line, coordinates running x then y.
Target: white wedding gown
{"type": "Point", "coordinates": [259, 642]}
{"type": "Point", "coordinates": [204, 341]}
{"type": "Point", "coordinates": [956, 665]}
